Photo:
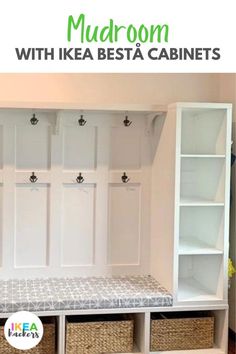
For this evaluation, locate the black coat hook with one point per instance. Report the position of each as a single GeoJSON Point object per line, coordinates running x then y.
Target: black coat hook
{"type": "Point", "coordinates": [127, 122]}
{"type": "Point", "coordinates": [33, 178]}
{"type": "Point", "coordinates": [125, 178]}
{"type": "Point", "coordinates": [82, 121]}
{"type": "Point", "coordinates": [80, 178]}
{"type": "Point", "coordinates": [34, 120]}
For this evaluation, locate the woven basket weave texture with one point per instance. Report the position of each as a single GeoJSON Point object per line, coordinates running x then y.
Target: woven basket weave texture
{"type": "Point", "coordinates": [182, 334]}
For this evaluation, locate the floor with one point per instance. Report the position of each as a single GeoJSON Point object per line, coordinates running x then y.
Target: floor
{"type": "Point", "coordinates": [232, 346]}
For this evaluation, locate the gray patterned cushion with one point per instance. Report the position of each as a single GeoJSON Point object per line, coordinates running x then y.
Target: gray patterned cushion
{"type": "Point", "coordinates": [82, 293]}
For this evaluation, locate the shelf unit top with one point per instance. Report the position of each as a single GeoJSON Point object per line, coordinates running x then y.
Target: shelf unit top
{"type": "Point", "coordinates": [145, 108]}
{"type": "Point", "coordinates": [201, 105]}
{"type": "Point", "coordinates": [56, 106]}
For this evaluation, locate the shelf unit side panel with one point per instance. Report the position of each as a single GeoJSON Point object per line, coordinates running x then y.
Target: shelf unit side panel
{"type": "Point", "coordinates": [227, 201]}
{"type": "Point", "coordinates": [162, 204]}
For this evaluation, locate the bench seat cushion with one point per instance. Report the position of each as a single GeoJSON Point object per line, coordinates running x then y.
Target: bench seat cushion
{"type": "Point", "coordinates": [82, 293]}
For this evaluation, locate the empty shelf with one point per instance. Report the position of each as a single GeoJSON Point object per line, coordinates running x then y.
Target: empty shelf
{"type": "Point", "coordinates": [191, 246]}
{"type": "Point", "coordinates": [203, 156]}
{"type": "Point", "coordinates": [191, 290]}
{"type": "Point", "coordinates": [194, 201]}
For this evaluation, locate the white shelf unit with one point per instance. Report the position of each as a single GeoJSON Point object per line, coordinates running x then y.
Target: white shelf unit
{"type": "Point", "coordinates": [191, 224]}
{"type": "Point", "coordinates": [169, 220]}
{"type": "Point", "coordinates": [202, 200]}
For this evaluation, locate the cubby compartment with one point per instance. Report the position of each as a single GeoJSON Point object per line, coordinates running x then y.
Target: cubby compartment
{"type": "Point", "coordinates": [202, 180]}
{"type": "Point", "coordinates": [181, 331]}
{"type": "Point", "coordinates": [201, 230]}
{"type": "Point", "coordinates": [203, 131]}
{"type": "Point", "coordinates": [200, 278]}
{"type": "Point", "coordinates": [95, 334]}
{"type": "Point", "coordinates": [189, 329]}
{"type": "Point", "coordinates": [48, 344]}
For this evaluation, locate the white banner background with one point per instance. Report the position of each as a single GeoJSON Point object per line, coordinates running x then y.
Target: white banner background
{"type": "Point", "coordinates": [28, 23]}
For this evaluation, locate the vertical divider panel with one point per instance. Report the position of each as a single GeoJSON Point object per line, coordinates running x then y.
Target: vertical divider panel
{"type": "Point", "coordinates": [101, 224]}
{"type": "Point", "coordinates": [56, 202]}
{"type": "Point", "coordinates": [221, 329]}
{"type": "Point", "coordinates": [142, 331]}
{"type": "Point", "coordinates": [177, 202]}
{"type": "Point", "coordinates": [227, 200]}
{"type": "Point", "coordinates": [8, 197]}
{"type": "Point", "coordinates": [61, 334]}
{"type": "Point", "coordinates": [147, 333]}
{"type": "Point", "coordinates": [145, 241]}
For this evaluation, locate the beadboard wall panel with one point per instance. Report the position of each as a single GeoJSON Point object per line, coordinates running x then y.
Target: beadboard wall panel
{"type": "Point", "coordinates": [78, 220]}
{"type": "Point", "coordinates": [32, 147]}
{"type": "Point", "coordinates": [79, 148]}
{"type": "Point", "coordinates": [57, 226]}
{"type": "Point", "coordinates": [32, 225]}
{"type": "Point", "coordinates": [125, 148]}
{"type": "Point", "coordinates": [124, 236]}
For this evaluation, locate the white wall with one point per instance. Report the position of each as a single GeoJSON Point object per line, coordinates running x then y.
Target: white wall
{"type": "Point", "coordinates": [227, 93]}
{"type": "Point", "coordinates": [108, 88]}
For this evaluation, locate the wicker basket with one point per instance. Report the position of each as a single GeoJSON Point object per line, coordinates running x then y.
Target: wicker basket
{"type": "Point", "coordinates": [96, 334]}
{"type": "Point", "coordinates": [46, 346]}
{"type": "Point", "coordinates": [191, 331]}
